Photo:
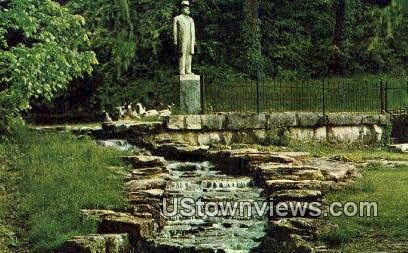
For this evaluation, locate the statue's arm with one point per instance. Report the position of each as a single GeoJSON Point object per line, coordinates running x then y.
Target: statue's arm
{"type": "Point", "coordinates": [175, 30]}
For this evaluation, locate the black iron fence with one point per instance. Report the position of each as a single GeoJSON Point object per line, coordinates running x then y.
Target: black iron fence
{"type": "Point", "coordinates": [324, 96]}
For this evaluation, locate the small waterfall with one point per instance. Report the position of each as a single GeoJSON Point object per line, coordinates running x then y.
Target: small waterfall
{"type": "Point", "coordinates": [227, 183]}
{"type": "Point", "coordinates": [122, 145]}
{"type": "Point", "coordinates": [202, 182]}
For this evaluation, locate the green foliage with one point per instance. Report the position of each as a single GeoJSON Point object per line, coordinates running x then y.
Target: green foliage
{"type": "Point", "coordinates": [289, 40]}
{"type": "Point", "coordinates": [58, 175]}
{"type": "Point", "coordinates": [387, 134]}
{"type": "Point", "coordinates": [42, 49]}
{"type": "Point", "coordinates": [252, 59]}
{"type": "Point", "coordinates": [127, 36]}
{"type": "Point", "coordinates": [296, 37]}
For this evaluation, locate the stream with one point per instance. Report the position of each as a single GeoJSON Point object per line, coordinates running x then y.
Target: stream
{"type": "Point", "coordinates": [202, 181]}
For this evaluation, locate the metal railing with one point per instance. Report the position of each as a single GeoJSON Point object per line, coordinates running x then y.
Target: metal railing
{"type": "Point", "coordinates": [324, 96]}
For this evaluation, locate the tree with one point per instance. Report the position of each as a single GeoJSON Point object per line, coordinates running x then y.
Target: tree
{"type": "Point", "coordinates": [251, 40]}
{"type": "Point", "coordinates": [42, 49]}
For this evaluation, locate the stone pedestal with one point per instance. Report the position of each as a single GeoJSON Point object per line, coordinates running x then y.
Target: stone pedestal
{"type": "Point", "coordinates": [190, 94]}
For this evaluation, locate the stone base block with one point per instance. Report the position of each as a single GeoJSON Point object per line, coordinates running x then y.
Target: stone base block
{"type": "Point", "coordinates": [190, 94]}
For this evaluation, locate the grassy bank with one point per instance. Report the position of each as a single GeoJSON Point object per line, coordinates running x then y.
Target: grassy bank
{"type": "Point", "coordinates": [386, 186]}
{"type": "Point", "coordinates": [388, 231]}
{"type": "Point", "coordinates": [56, 175]}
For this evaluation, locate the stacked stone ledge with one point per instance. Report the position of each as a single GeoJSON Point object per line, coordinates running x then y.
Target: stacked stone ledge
{"type": "Point", "coordinates": [230, 128]}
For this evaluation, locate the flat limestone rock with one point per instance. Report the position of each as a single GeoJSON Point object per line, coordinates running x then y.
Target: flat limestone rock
{"type": "Point", "coordinates": [145, 184]}
{"type": "Point", "coordinates": [154, 192]}
{"type": "Point", "coordinates": [270, 171]}
{"type": "Point", "coordinates": [102, 243]}
{"type": "Point", "coordinates": [95, 214]}
{"type": "Point", "coordinates": [299, 195]}
{"type": "Point", "coordinates": [334, 170]}
{"type": "Point", "coordinates": [145, 161]}
{"type": "Point", "coordinates": [282, 184]}
{"type": "Point", "coordinates": [138, 228]}
{"type": "Point", "coordinates": [399, 148]}
{"type": "Point", "coordinates": [154, 171]}
{"type": "Point", "coordinates": [264, 157]}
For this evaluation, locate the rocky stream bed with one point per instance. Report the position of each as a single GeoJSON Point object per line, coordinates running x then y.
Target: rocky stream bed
{"type": "Point", "coordinates": [199, 173]}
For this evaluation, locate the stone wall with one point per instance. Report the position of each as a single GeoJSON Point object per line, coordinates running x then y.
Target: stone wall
{"type": "Point", "coordinates": [251, 128]}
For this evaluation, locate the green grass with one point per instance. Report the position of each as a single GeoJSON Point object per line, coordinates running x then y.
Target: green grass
{"type": "Point", "coordinates": [56, 175]}
{"type": "Point", "coordinates": [388, 231]}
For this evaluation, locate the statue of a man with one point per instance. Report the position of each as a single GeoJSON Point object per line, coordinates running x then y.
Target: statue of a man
{"type": "Point", "coordinates": [184, 38]}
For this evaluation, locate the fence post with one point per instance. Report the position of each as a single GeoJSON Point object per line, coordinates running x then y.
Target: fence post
{"type": "Point", "coordinates": [386, 96]}
{"type": "Point", "coordinates": [257, 95]}
{"type": "Point", "coordinates": [382, 99]}
{"type": "Point", "coordinates": [202, 93]}
{"type": "Point", "coordinates": [323, 98]}
{"type": "Point", "coordinates": [405, 105]}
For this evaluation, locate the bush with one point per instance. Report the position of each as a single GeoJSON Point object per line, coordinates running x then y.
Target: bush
{"type": "Point", "coordinates": [42, 48]}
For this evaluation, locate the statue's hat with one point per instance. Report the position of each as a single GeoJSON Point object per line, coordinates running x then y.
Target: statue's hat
{"type": "Point", "coordinates": [185, 3]}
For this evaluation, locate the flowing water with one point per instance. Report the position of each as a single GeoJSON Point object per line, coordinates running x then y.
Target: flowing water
{"type": "Point", "coordinates": [201, 181]}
